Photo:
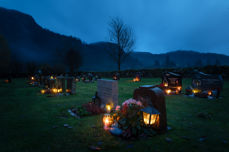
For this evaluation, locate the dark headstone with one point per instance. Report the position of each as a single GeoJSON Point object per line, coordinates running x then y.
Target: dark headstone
{"type": "Point", "coordinates": [153, 96]}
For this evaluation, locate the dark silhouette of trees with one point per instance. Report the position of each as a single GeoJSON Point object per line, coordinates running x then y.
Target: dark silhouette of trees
{"type": "Point", "coordinates": [199, 63]}
{"type": "Point", "coordinates": [73, 60]}
{"type": "Point", "coordinates": [5, 56]}
{"type": "Point", "coordinates": [169, 63]}
{"type": "Point", "coordinates": [122, 36]}
{"type": "Point", "coordinates": [31, 68]}
{"type": "Point", "coordinates": [156, 64]}
{"type": "Point", "coordinates": [217, 62]}
{"type": "Point", "coordinates": [46, 69]}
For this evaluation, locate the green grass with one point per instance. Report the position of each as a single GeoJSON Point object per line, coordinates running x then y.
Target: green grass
{"type": "Point", "coordinates": [33, 122]}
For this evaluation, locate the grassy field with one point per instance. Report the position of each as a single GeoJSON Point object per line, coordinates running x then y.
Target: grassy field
{"type": "Point", "coordinates": [33, 122]}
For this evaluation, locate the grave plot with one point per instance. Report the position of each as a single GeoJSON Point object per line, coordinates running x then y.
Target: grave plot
{"type": "Point", "coordinates": [34, 80]}
{"type": "Point", "coordinates": [88, 77]}
{"type": "Point", "coordinates": [59, 85]}
{"type": "Point", "coordinates": [171, 83]}
{"type": "Point", "coordinates": [137, 78]}
{"type": "Point", "coordinates": [205, 85]}
{"type": "Point", "coordinates": [142, 115]}
{"type": "Point", "coordinates": [105, 99]}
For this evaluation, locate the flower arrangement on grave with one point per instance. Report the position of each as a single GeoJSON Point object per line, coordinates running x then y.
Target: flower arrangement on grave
{"type": "Point", "coordinates": [128, 117]}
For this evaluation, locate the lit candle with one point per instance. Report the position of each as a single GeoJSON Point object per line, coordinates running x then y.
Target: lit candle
{"type": "Point", "coordinates": [54, 90]}
{"type": "Point", "coordinates": [168, 91]}
{"type": "Point", "coordinates": [42, 91]}
{"type": "Point", "coordinates": [108, 108]}
{"type": "Point", "coordinates": [107, 120]}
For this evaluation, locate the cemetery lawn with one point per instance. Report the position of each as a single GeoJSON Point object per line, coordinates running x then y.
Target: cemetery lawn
{"type": "Point", "coordinates": [33, 122]}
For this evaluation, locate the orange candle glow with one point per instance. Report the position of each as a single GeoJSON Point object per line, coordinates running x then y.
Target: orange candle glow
{"type": "Point", "coordinates": [107, 120]}
{"type": "Point", "coordinates": [168, 91]}
{"type": "Point", "coordinates": [42, 91]}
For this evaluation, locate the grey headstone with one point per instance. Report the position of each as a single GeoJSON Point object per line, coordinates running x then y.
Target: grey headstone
{"type": "Point", "coordinates": [107, 91]}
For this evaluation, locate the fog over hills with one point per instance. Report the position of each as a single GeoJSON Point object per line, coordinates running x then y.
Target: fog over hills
{"type": "Point", "coordinates": [29, 42]}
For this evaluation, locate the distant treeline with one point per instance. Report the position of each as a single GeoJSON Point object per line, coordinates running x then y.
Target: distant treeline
{"type": "Point", "coordinates": [185, 72]}
{"type": "Point", "coordinates": [145, 73]}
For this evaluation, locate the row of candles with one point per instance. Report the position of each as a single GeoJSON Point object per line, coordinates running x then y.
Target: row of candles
{"type": "Point", "coordinates": [54, 91]}
{"type": "Point", "coordinates": [178, 89]}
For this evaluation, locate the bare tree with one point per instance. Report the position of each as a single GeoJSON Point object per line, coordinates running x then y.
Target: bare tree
{"type": "Point", "coordinates": [122, 36]}
{"type": "Point", "coordinates": [73, 60]}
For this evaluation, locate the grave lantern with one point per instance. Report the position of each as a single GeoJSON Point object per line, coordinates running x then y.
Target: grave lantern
{"type": "Point", "coordinates": [107, 120]}
{"type": "Point", "coordinates": [172, 81]}
{"type": "Point", "coordinates": [151, 117]}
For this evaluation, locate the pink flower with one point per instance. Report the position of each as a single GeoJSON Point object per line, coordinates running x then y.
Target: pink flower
{"type": "Point", "coordinates": [131, 101]}
{"type": "Point", "coordinates": [139, 103]}
{"type": "Point", "coordinates": [117, 108]}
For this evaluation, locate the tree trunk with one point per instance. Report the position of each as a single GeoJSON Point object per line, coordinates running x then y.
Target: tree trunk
{"type": "Point", "coordinates": [119, 60]}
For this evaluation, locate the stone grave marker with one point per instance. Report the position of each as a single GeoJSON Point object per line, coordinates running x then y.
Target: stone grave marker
{"type": "Point", "coordinates": [153, 96]}
{"type": "Point", "coordinates": [71, 85]}
{"type": "Point", "coordinates": [107, 91]}
{"type": "Point", "coordinates": [52, 83]}
{"type": "Point", "coordinates": [61, 83]}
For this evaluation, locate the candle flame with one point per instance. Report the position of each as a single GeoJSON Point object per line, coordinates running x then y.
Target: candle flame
{"type": "Point", "coordinates": [168, 91]}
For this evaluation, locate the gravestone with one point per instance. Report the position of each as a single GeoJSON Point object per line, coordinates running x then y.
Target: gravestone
{"type": "Point", "coordinates": [153, 96]}
{"type": "Point", "coordinates": [61, 83]}
{"type": "Point", "coordinates": [52, 83]}
{"type": "Point", "coordinates": [71, 85]}
{"type": "Point", "coordinates": [73, 90]}
{"type": "Point", "coordinates": [107, 91]}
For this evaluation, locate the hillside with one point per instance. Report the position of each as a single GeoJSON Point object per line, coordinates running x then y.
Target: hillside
{"type": "Point", "coordinates": [29, 42]}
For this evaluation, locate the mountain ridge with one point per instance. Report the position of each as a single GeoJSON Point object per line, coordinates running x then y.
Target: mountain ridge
{"type": "Point", "coordinates": [30, 42]}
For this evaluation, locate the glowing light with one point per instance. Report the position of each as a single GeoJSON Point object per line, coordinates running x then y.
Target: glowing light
{"type": "Point", "coordinates": [209, 93]}
{"type": "Point", "coordinates": [179, 88]}
{"type": "Point", "coordinates": [107, 120]}
{"type": "Point", "coordinates": [137, 79]}
{"type": "Point", "coordinates": [148, 120]}
{"type": "Point", "coordinates": [115, 78]}
{"type": "Point", "coordinates": [68, 90]}
{"type": "Point", "coordinates": [166, 84]}
{"type": "Point", "coordinates": [108, 107]}
{"type": "Point", "coordinates": [32, 78]}
{"type": "Point", "coordinates": [59, 90]}
{"type": "Point", "coordinates": [51, 77]}
{"type": "Point", "coordinates": [54, 90]}
{"type": "Point", "coordinates": [151, 117]}
{"type": "Point", "coordinates": [195, 91]}
{"type": "Point", "coordinates": [42, 91]}
{"type": "Point", "coordinates": [168, 91]}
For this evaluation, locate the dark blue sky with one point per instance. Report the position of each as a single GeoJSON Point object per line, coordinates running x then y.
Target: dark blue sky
{"type": "Point", "coordinates": [159, 25]}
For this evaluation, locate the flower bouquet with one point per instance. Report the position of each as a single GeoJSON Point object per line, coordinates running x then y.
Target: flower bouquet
{"type": "Point", "coordinates": [128, 118]}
